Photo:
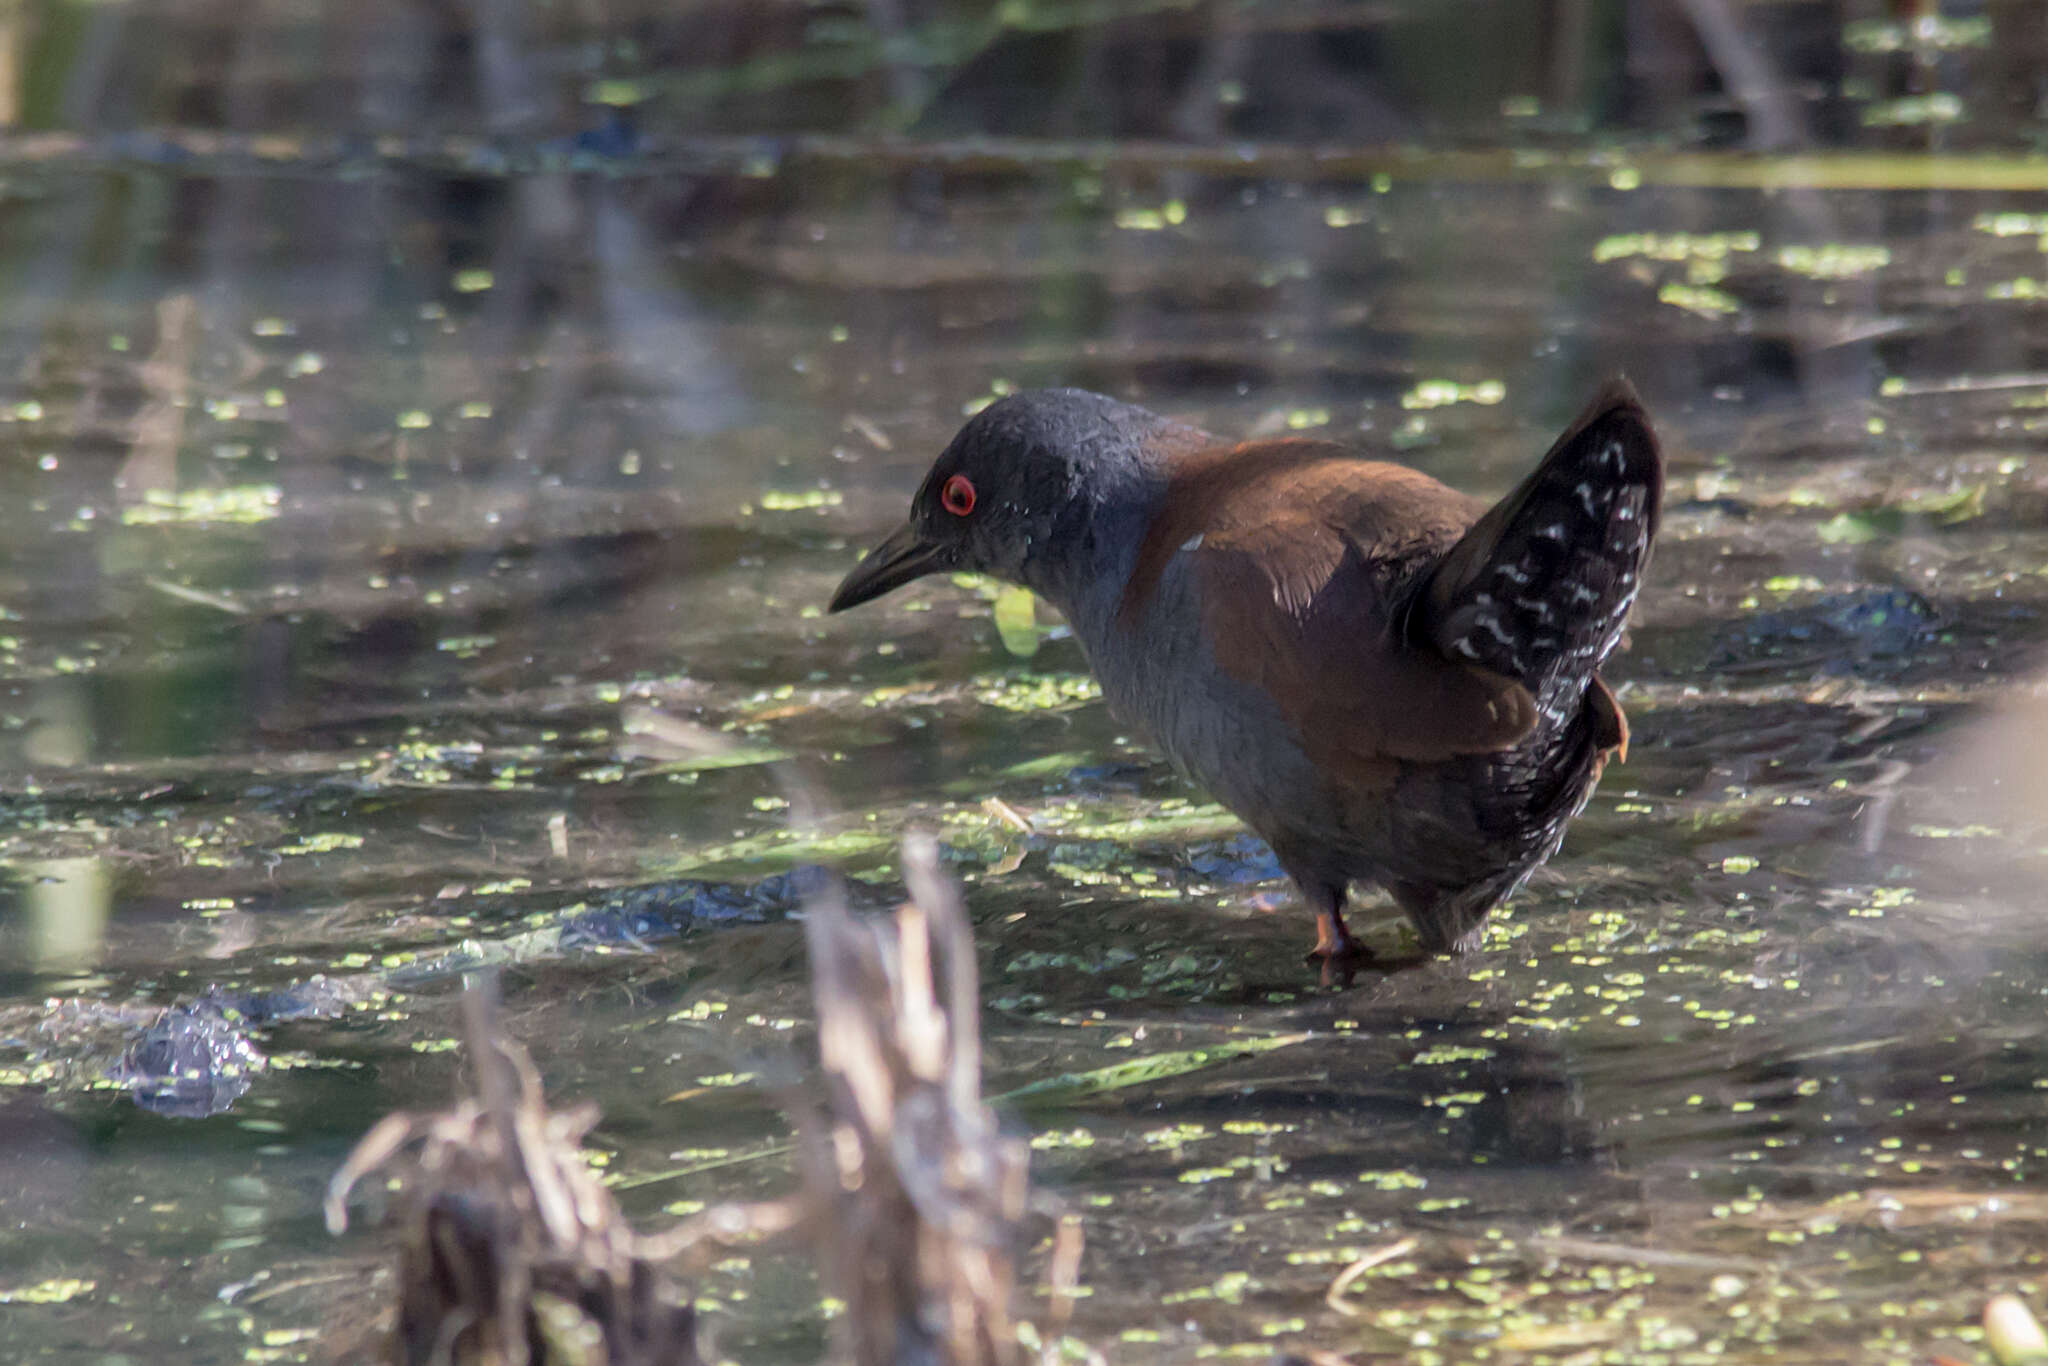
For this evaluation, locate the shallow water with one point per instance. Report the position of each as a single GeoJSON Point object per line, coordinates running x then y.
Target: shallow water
{"type": "Point", "coordinates": [366, 502]}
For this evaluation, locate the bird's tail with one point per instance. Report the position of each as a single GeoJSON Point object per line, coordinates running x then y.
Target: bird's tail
{"type": "Point", "coordinates": [1540, 587]}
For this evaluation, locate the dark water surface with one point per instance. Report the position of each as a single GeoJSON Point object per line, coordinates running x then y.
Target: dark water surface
{"type": "Point", "coordinates": [368, 497]}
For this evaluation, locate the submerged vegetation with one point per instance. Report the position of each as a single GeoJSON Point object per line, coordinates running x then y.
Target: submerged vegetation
{"type": "Point", "coordinates": [428, 452]}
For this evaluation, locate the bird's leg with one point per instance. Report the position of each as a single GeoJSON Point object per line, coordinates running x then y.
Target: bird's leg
{"type": "Point", "coordinates": [1333, 938]}
{"type": "Point", "coordinates": [1334, 942]}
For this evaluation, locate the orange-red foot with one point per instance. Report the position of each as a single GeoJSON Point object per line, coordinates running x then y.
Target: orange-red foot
{"type": "Point", "coordinates": [1335, 944]}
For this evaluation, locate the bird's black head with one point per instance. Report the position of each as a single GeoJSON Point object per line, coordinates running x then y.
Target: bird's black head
{"type": "Point", "coordinates": [1016, 492]}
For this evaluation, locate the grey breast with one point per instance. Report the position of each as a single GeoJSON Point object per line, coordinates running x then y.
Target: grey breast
{"type": "Point", "coordinates": [1160, 677]}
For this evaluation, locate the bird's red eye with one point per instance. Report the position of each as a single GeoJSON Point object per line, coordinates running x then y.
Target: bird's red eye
{"type": "Point", "coordinates": [957, 497]}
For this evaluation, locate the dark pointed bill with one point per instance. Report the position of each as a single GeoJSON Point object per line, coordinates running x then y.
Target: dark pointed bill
{"type": "Point", "coordinates": [896, 561]}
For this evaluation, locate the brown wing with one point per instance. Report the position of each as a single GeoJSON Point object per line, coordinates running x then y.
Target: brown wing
{"type": "Point", "coordinates": [1298, 548]}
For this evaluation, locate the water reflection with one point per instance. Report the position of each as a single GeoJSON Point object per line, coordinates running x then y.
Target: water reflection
{"type": "Point", "coordinates": [59, 733]}
{"type": "Point", "coordinates": [404, 424]}
{"type": "Point", "coordinates": [63, 911]}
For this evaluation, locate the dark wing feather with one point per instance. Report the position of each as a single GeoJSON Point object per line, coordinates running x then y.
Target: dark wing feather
{"type": "Point", "coordinates": [1540, 587]}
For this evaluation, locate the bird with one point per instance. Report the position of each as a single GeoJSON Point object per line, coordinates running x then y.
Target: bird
{"type": "Point", "coordinates": [1387, 680]}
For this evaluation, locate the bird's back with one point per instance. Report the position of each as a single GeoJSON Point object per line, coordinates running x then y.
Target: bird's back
{"type": "Point", "coordinates": [1385, 678]}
